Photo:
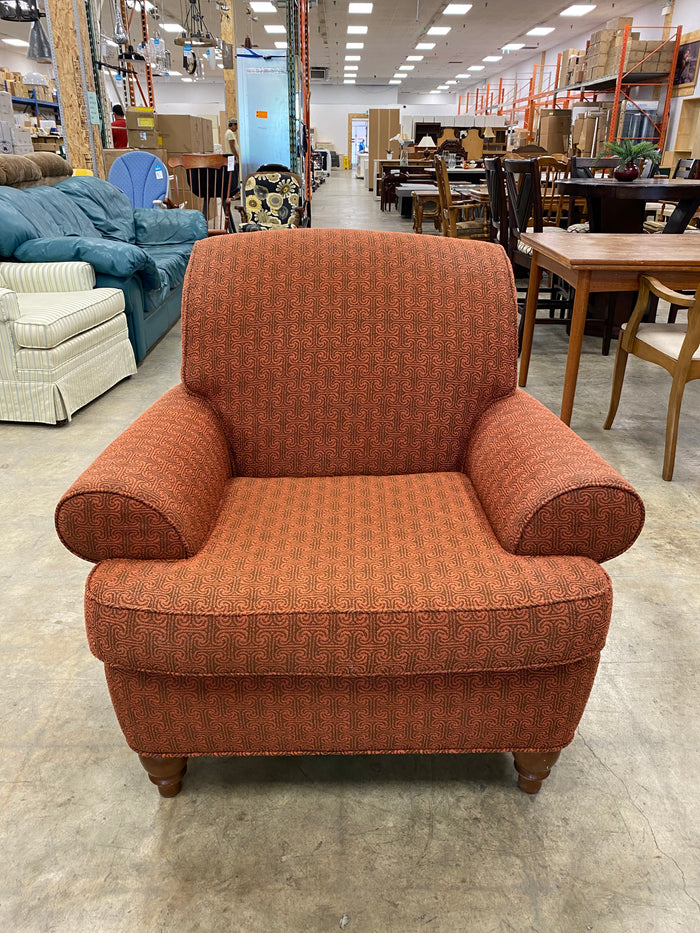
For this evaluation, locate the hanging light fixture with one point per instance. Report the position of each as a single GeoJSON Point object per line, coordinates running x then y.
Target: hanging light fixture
{"type": "Point", "coordinates": [39, 46]}
{"type": "Point", "coordinates": [196, 32]}
{"type": "Point", "coordinates": [120, 35]}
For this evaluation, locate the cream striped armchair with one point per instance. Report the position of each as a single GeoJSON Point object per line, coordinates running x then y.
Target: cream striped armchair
{"type": "Point", "coordinates": [63, 342]}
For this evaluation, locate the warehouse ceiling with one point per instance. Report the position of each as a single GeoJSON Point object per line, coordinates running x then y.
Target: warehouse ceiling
{"type": "Point", "coordinates": [393, 30]}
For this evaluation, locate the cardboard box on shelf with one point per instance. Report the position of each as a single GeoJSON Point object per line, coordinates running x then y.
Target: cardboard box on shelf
{"type": "Point", "coordinates": [207, 135]}
{"type": "Point", "coordinates": [140, 118]}
{"type": "Point", "coordinates": [555, 126]}
{"type": "Point", "coordinates": [143, 139]}
{"type": "Point", "coordinates": [46, 143]}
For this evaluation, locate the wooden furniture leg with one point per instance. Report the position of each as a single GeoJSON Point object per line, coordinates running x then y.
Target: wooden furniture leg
{"type": "Point", "coordinates": [533, 290]}
{"type": "Point", "coordinates": [618, 379]}
{"type": "Point", "coordinates": [533, 768]}
{"type": "Point", "coordinates": [417, 217]}
{"type": "Point", "coordinates": [578, 324]}
{"type": "Point", "coordinates": [674, 411]}
{"type": "Point", "coordinates": [165, 773]}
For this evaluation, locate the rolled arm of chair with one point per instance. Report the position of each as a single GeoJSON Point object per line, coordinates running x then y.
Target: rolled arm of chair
{"type": "Point", "coordinates": [154, 493]}
{"type": "Point", "coordinates": [544, 490]}
{"type": "Point", "coordinates": [48, 276]}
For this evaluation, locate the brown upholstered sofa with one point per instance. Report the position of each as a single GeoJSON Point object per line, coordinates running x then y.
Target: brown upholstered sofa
{"type": "Point", "coordinates": [346, 531]}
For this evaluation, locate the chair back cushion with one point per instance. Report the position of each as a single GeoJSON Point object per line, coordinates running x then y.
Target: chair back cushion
{"type": "Point", "coordinates": [108, 208]}
{"type": "Point", "coordinates": [272, 198]}
{"type": "Point", "coordinates": [339, 352]}
{"type": "Point", "coordinates": [141, 176]}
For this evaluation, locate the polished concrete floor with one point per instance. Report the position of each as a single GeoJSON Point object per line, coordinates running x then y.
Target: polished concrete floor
{"type": "Point", "coordinates": [371, 845]}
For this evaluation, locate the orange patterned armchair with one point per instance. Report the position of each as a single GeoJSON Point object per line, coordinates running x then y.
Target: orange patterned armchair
{"type": "Point", "coordinates": [346, 531]}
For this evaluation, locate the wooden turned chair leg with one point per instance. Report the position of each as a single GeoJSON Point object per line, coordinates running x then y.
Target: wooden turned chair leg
{"type": "Point", "coordinates": [533, 768]}
{"type": "Point", "coordinates": [165, 773]}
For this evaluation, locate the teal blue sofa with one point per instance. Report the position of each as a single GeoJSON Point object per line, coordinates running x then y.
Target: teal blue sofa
{"type": "Point", "coordinates": [143, 251]}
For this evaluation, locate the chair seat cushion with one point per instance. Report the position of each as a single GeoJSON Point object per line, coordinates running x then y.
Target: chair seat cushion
{"type": "Point", "coordinates": [667, 338]}
{"type": "Point", "coordinates": [47, 320]}
{"type": "Point", "coordinates": [348, 576]}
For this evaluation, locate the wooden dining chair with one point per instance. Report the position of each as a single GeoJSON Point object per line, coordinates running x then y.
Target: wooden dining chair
{"type": "Point", "coordinates": [452, 205]}
{"type": "Point", "coordinates": [524, 195]}
{"type": "Point", "coordinates": [498, 201]}
{"type": "Point", "coordinates": [426, 206]}
{"type": "Point", "coordinates": [672, 346]}
{"type": "Point", "coordinates": [553, 203]}
{"type": "Point", "coordinates": [206, 182]}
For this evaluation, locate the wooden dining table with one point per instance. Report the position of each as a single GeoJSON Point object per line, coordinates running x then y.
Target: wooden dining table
{"type": "Point", "coordinates": [619, 206]}
{"type": "Point", "coordinates": [608, 262]}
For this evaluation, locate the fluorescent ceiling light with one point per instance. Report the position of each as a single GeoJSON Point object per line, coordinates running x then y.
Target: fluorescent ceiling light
{"type": "Point", "coordinates": [399, 75]}
{"type": "Point", "coordinates": [354, 45]}
{"type": "Point", "coordinates": [171, 27]}
{"type": "Point", "coordinates": [457, 9]}
{"type": "Point", "coordinates": [351, 68]}
{"type": "Point", "coordinates": [262, 6]}
{"type": "Point", "coordinates": [276, 30]}
{"type": "Point", "coordinates": [511, 47]}
{"type": "Point", "coordinates": [464, 76]}
{"type": "Point", "coordinates": [406, 67]}
{"type": "Point", "coordinates": [173, 74]}
{"type": "Point", "coordinates": [357, 30]}
{"type": "Point", "coordinates": [188, 80]}
{"type": "Point", "coordinates": [438, 31]}
{"type": "Point", "coordinates": [19, 43]}
{"type": "Point", "coordinates": [476, 67]}
{"type": "Point", "coordinates": [578, 9]}
{"type": "Point", "coordinates": [394, 81]}
{"type": "Point", "coordinates": [220, 65]}
{"type": "Point", "coordinates": [349, 81]}
{"type": "Point", "coordinates": [442, 87]}
{"type": "Point", "coordinates": [360, 7]}
{"type": "Point", "coordinates": [414, 58]}
{"type": "Point", "coordinates": [540, 31]}
{"type": "Point", "coordinates": [493, 58]}
{"type": "Point", "coordinates": [353, 58]}
{"type": "Point", "coordinates": [425, 46]}
{"type": "Point", "coordinates": [450, 82]}
{"type": "Point", "coordinates": [132, 3]}
{"type": "Point", "coordinates": [436, 92]}
{"type": "Point", "coordinates": [280, 45]}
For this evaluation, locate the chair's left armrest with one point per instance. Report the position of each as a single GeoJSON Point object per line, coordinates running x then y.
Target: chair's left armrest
{"type": "Point", "coordinates": [159, 228]}
{"type": "Point", "coordinates": [154, 493]}
{"type": "Point", "coordinates": [544, 490]}
{"type": "Point", "coordinates": [48, 276]}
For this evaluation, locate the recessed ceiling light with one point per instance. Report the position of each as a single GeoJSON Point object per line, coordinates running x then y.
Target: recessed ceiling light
{"type": "Point", "coordinates": [354, 45]}
{"type": "Point", "coordinates": [464, 76]}
{"type": "Point", "coordinates": [262, 6]}
{"type": "Point", "coordinates": [394, 81]}
{"type": "Point", "coordinates": [187, 80]}
{"type": "Point", "coordinates": [457, 9]}
{"type": "Point", "coordinates": [406, 67]}
{"type": "Point", "coordinates": [425, 46]}
{"type": "Point", "coordinates": [399, 75]}
{"type": "Point", "coordinates": [450, 82]}
{"type": "Point", "coordinates": [280, 45]}
{"type": "Point", "coordinates": [352, 68]}
{"type": "Point", "coordinates": [442, 87]}
{"type": "Point", "coordinates": [436, 92]}
{"type": "Point", "coordinates": [353, 58]}
{"type": "Point", "coordinates": [414, 58]}
{"type": "Point", "coordinates": [360, 7]}
{"type": "Point", "coordinates": [19, 43]}
{"type": "Point", "coordinates": [439, 30]}
{"type": "Point", "coordinates": [349, 81]}
{"type": "Point", "coordinates": [578, 9]}
{"type": "Point", "coordinates": [276, 30]}
{"type": "Point", "coordinates": [540, 31]}
{"type": "Point", "coordinates": [493, 58]}
{"type": "Point", "coordinates": [513, 46]}
{"type": "Point", "coordinates": [357, 30]}
{"type": "Point", "coordinates": [171, 27]}
{"type": "Point", "coordinates": [476, 67]}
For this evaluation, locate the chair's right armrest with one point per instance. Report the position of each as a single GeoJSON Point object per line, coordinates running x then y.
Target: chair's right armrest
{"type": "Point", "coordinates": [48, 276]}
{"type": "Point", "coordinates": [154, 493]}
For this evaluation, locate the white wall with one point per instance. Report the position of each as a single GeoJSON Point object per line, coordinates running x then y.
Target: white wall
{"type": "Point", "coordinates": [331, 104]}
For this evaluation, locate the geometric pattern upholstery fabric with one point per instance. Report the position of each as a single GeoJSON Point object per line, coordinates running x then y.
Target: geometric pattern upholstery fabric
{"type": "Point", "coordinates": [355, 363]}
{"type": "Point", "coordinates": [348, 576]}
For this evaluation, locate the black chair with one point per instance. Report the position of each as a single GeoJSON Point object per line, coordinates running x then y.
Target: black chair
{"type": "Point", "coordinates": [498, 202]}
{"type": "Point", "coordinates": [523, 185]}
{"type": "Point", "coordinates": [687, 168]}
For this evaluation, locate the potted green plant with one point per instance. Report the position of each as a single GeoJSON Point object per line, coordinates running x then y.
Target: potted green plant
{"type": "Point", "coordinates": [629, 153]}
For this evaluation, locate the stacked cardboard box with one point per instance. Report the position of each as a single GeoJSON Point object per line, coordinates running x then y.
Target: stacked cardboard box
{"type": "Point", "coordinates": [22, 140]}
{"type": "Point", "coordinates": [641, 56]}
{"type": "Point", "coordinates": [13, 83]}
{"type": "Point", "coordinates": [141, 132]}
{"type": "Point", "coordinates": [589, 131]}
{"type": "Point", "coordinates": [573, 66]}
{"type": "Point", "coordinates": [555, 127]}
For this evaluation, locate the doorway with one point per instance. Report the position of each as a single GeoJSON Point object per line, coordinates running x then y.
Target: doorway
{"type": "Point", "coordinates": [359, 130]}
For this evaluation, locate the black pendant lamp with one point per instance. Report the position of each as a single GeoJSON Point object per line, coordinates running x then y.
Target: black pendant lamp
{"type": "Point", "coordinates": [39, 46]}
